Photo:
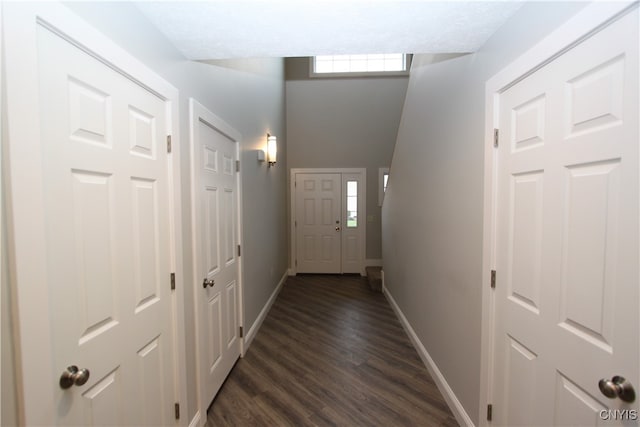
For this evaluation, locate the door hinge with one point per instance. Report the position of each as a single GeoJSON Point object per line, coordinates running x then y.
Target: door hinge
{"type": "Point", "coordinates": [237, 165]}
{"type": "Point", "coordinates": [493, 279]}
{"type": "Point", "coordinates": [176, 408]}
{"type": "Point", "coordinates": [241, 333]}
{"type": "Point", "coordinates": [173, 281]}
{"type": "Point", "coordinates": [295, 184]}
{"type": "Point", "coordinates": [168, 143]}
{"type": "Point", "coordinates": [238, 250]}
{"type": "Point", "coordinates": [496, 137]}
{"type": "Point", "coordinates": [489, 412]}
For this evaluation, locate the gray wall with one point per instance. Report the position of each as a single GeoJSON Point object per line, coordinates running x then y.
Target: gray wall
{"type": "Point", "coordinates": [247, 94]}
{"type": "Point", "coordinates": [433, 209]}
{"type": "Point", "coordinates": [342, 123]}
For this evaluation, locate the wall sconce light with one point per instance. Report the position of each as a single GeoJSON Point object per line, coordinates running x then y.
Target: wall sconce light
{"type": "Point", "coordinates": [272, 150]}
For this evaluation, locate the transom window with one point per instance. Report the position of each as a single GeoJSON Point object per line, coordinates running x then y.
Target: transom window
{"type": "Point", "coordinates": [376, 63]}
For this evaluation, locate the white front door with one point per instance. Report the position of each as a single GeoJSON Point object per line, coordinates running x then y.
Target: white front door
{"type": "Point", "coordinates": [567, 243]}
{"type": "Point", "coordinates": [318, 222]}
{"type": "Point", "coordinates": [106, 212]}
{"type": "Point", "coordinates": [328, 228]}
{"type": "Point", "coordinates": [215, 227]}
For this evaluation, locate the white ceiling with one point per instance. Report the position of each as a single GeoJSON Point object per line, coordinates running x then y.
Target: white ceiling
{"type": "Point", "coordinates": [219, 29]}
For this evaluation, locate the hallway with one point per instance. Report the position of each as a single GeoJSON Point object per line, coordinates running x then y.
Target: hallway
{"type": "Point", "coordinates": [330, 352]}
{"type": "Point", "coordinates": [146, 221]}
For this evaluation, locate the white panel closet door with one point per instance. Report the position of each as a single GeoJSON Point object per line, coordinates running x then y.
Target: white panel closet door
{"type": "Point", "coordinates": [318, 222]}
{"type": "Point", "coordinates": [107, 238]}
{"type": "Point", "coordinates": [215, 197]}
{"type": "Point", "coordinates": [567, 255]}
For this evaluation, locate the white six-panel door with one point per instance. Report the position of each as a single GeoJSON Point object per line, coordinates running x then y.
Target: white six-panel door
{"type": "Point", "coordinates": [318, 222]}
{"type": "Point", "coordinates": [106, 240]}
{"type": "Point", "coordinates": [215, 226]}
{"type": "Point", "coordinates": [92, 236]}
{"type": "Point", "coordinates": [567, 244]}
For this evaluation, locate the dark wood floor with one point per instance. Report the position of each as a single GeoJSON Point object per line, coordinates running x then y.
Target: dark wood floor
{"type": "Point", "coordinates": [330, 352]}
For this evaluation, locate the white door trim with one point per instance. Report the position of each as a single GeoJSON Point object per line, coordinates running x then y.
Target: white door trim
{"type": "Point", "coordinates": [198, 111]}
{"type": "Point", "coordinates": [292, 192]}
{"type": "Point", "coordinates": [2, 193]}
{"type": "Point", "coordinates": [35, 375]}
{"type": "Point", "coordinates": [589, 20]}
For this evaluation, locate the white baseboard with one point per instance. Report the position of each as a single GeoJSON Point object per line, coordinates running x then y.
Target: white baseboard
{"type": "Point", "coordinates": [449, 396]}
{"type": "Point", "coordinates": [373, 263]}
{"type": "Point", "coordinates": [195, 422]}
{"type": "Point", "coordinates": [263, 313]}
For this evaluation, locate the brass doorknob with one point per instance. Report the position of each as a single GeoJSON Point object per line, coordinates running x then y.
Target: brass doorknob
{"type": "Point", "coordinates": [337, 228]}
{"type": "Point", "coordinates": [617, 387]}
{"type": "Point", "coordinates": [72, 375]}
{"type": "Point", "coordinates": [208, 282]}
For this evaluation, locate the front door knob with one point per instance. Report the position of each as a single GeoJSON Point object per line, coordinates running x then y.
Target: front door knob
{"type": "Point", "coordinates": [617, 387]}
{"type": "Point", "coordinates": [72, 375]}
{"type": "Point", "coordinates": [337, 228]}
{"type": "Point", "coordinates": [208, 282]}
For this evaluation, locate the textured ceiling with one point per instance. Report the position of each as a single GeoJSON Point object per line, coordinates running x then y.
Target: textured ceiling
{"type": "Point", "coordinates": [219, 29]}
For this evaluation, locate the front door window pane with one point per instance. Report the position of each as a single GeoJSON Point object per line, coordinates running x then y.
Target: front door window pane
{"type": "Point", "coordinates": [352, 204]}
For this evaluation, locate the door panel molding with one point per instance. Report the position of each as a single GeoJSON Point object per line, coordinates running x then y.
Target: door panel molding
{"type": "Point", "coordinates": [36, 374]}
{"type": "Point", "coordinates": [586, 23]}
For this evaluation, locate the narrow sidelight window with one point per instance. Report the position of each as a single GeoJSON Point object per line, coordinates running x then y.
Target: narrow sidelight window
{"type": "Point", "coordinates": [352, 204]}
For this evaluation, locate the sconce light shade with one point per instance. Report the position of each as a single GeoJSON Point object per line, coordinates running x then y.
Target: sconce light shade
{"type": "Point", "coordinates": [272, 150]}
